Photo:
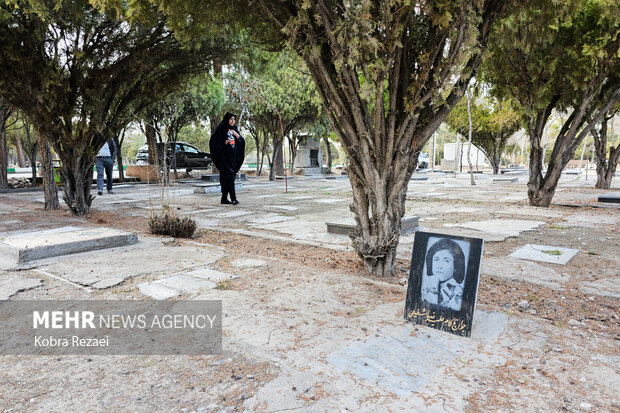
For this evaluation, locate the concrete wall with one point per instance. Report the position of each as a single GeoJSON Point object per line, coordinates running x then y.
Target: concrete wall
{"type": "Point", "coordinates": [449, 156]}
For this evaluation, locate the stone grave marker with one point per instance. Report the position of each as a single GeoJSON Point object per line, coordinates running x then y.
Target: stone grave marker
{"type": "Point", "coordinates": [211, 188]}
{"type": "Point", "coordinates": [502, 180]}
{"type": "Point", "coordinates": [22, 247]}
{"type": "Point", "coordinates": [402, 363]}
{"type": "Point", "coordinates": [610, 197]}
{"type": "Point", "coordinates": [347, 226]}
{"type": "Point", "coordinates": [443, 282]}
{"type": "Point", "coordinates": [545, 253]}
{"type": "Point", "coordinates": [193, 281]}
{"type": "Point", "coordinates": [498, 229]}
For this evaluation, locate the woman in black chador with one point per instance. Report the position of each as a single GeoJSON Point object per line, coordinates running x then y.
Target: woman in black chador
{"type": "Point", "coordinates": [228, 152]}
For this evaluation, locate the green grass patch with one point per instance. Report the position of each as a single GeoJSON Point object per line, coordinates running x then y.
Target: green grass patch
{"type": "Point", "coordinates": [223, 285]}
{"type": "Point", "coordinates": [552, 252]}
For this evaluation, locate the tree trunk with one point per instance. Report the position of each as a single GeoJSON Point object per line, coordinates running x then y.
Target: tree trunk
{"type": "Point", "coordinates": [378, 205]}
{"type": "Point", "coordinates": [495, 163]}
{"type": "Point", "coordinates": [293, 152]}
{"type": "Point", "coordinates": [540, 190]}
{"type": "Point", "coordinates": [471, 169]}
{"type": "Point", "coordinates": [574, 129]}
{"type": "Point", "coordinates": [258, 160]}
{"type": "Point", "coordinates": [277, 165]}
{"type": "Point", "coordinates": [4, 154]}
{"type": "Point", "coordinates": [329, 154]}
{"type": "Point", "coordinates": [33, 147]}
{"type": "Point", "coordinates": [50, 189]}
{"type": "Point", "coordinates": [278, 159]}
{"type": "Point", "coordinates": [20, 153]}
{"type": "Point", "coordinates": [151, 141]}
{"type": "Point", "coordinates": [77, 176]}
{"type": "Point", "coordinates": [4, 158]}
{"type": "Point", "coordinates": [605, 169]}
{"type": "Point", "coordinates": [119, 157]}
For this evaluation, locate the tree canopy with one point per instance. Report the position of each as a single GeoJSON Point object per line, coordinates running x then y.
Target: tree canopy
{"type": "Point", "coordinates": [388, 73]}
{"type": "Point", "coordinates": [560, 56]}
{"type": "Point", "coordinates": [80, 71]}
{"type": "Point", "coordinates": [493, 123]}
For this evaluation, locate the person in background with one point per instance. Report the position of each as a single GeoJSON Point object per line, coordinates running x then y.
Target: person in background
{"type": "Point", "coordinates": [227, 148]}
{"type": "Point", "coordinates": [105, 161]}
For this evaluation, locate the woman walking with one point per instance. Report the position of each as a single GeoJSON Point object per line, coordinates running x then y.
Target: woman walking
{"type": "Point", "coordinates": [228, 152]}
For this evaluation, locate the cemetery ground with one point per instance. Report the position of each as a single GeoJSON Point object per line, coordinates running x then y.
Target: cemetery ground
{"type": "Point", "coordinates": [305, 328]}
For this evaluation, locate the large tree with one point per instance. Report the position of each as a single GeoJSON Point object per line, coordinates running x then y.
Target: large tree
{"type": "Point", "coordinates": [493, 122]}
{"type": "Point", "coordinates": [79, 72]}
{"type": "Point", "coordinates": [605, 167]}
{"type": "Point", "coordinates": [280, 98]}
{"type": "Point", "coordinates": [388, 73]}
{"type": "Point", "coordinates": [5, 114]}
{"type": "Point", "coordinates": [562, 56]}
{"type": "Point", "coordinates": [192, 103]}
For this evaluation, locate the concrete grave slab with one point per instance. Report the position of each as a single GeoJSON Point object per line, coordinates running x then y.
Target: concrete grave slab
{"type": "Point", "coordinates": [157, 291]}
{"type": "Point", "coordinates": [271, 219]}
{"type": "Point", "coordinates": [514, 198]}
{"type": "Point", "coordinates": [522, 270]}
{"type": "Point", "coordinates": [108, 282]}
{"type": "Point", "coordinates": [233, 214]}
{"type": "Point", "coordinates": [11, 284]}
{"type": "Point", "coordinates": [610, 197]}
{"type": "Point", "coordinates": [123, 201]}
{"type": "Point", "coordinates": [498, 229]}
{"type": "Point", "coordinates": [248, 262]}
{"type": "Point", "coordinates": [347, 226]}
{"type": "Point", "coordinates": [589, 219]}
{"type": "Point", "coordinates": [22, 247]}
{"type": "Point", "coordinates": [194, 281]}
{"type": "Point", "coordinates": [216, 177]}
{"type": "Point", "coordinates": [607, 287]}
{"type": "Point", "coordinates": [402, 363]}
{"type": "Point", "coordinates": [461, 210]}
{"type": "Point", "coordinates": [330, 201]}
{"type": "Point", "coordinates": [185, 283]}
{"type": "Point", "coordinates": [427, 194]}
{"type": "Point", "coordinates": [545, 253]}
{"type": "Point", "coordinates": [505, 180]}
{"type": "Point", "coordinates": [213, 188]}
{"type": "Point", "coordinates": [154, 258]}
{"type": "Point", "coordinates": [211, 275]}
{"type": "Point", "coordinates": [284, 207]}
{"type": "Point", "coordinates": [200, 211]}
{"type": "Point", "coordinates": [530, 211]}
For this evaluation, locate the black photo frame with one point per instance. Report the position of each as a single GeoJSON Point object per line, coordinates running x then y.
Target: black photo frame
{"type": "Point", "coordinates": [446, 299]}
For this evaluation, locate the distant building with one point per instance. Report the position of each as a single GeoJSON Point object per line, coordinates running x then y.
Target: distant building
{"type": "Point", "coordinates": [478, 159]}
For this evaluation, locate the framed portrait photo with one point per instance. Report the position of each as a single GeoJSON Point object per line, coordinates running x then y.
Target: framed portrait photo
{"type": "Point", "coordinates": [443, 282]}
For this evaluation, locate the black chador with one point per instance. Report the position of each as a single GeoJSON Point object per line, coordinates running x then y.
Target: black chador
{"type": "Point", "coordinates": [228, 152]}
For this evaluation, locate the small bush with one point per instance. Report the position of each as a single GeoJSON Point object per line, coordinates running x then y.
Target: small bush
{"type": "Point", "coordinates": [173, 226]}
{"type": "Point", "coordinates": [223, 285]}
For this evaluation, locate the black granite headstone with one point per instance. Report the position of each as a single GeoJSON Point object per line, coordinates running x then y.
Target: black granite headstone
{"type": "Point", "coordinates": [443, 282]}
